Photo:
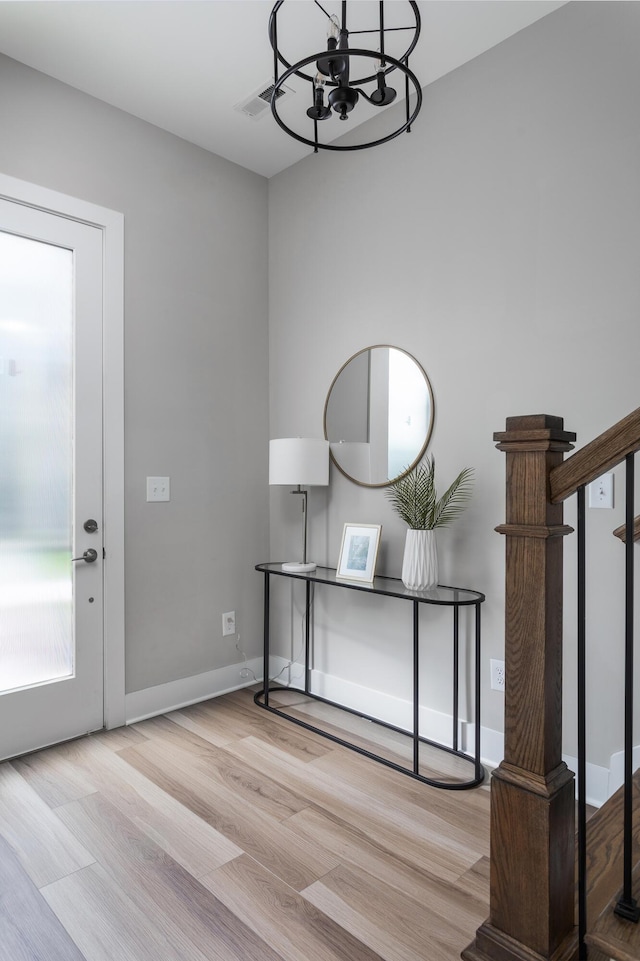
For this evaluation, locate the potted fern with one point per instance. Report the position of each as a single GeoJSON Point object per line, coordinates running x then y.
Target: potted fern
{"type": "Point", "coordinates": [415, 498]}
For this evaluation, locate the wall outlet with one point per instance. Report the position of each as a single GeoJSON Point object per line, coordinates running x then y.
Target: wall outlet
{"type": "Point", "coordinates": [497, 675]}
{"type": "Point", "coordinates": [228, 623]}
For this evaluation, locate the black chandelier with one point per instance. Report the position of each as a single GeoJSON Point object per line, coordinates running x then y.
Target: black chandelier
{"type": "Point", "coordinates": [332, 74]}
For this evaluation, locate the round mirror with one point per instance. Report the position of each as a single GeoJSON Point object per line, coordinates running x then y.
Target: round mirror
{"type": "Point", "coordinates": [378, 415]}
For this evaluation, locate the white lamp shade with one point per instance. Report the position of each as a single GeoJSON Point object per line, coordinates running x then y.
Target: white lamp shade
{"type": "Point", "coordinates": [300, 461]}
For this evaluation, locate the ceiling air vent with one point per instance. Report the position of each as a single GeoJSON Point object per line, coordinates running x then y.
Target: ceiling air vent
{"type": "Point", "coordinates": [258, 104]}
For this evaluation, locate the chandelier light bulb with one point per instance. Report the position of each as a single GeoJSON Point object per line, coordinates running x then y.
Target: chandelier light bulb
{"type": "Point", "coordinates": [333, 66]}
{"type": "Point", "coordinates": [383, 95]}
{"type": "Point", "coordinates": [319, 111]}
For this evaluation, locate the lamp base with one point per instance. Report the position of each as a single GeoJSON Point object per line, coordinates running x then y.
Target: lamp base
{"type": "Point", "coordinates": [297, 567]}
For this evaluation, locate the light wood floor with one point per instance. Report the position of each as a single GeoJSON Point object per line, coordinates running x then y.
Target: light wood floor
{"type": "Point", "coordinates": [224, 832]}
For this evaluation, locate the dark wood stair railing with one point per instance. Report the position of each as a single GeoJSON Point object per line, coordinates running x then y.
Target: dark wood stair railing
{"type": "Point", "coordinates": [621, 531]}
{"type": "Point", "coordinates": [532, 881]}
{"type": "Point", "coordinates": [606, 451]}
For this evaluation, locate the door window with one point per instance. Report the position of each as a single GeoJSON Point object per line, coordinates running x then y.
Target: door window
{"type": "Point", "coordinates": [36, 476]}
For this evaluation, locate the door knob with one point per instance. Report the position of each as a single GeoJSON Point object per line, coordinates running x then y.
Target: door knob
{"type": "Point", "coordinates": [89, 556]}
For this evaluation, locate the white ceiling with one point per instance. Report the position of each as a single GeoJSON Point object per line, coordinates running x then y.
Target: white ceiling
{"type": "Point", "coordinates": [184, 64]}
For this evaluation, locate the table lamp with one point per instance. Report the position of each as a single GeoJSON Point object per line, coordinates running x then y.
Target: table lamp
{"type": "Point", "coordinates": [299, 462]}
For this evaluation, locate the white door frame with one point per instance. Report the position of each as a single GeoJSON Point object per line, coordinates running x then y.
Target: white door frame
{"type": "Point", "coordinates": [111, 223]}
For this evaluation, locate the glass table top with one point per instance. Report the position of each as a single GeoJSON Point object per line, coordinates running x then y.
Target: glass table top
{"type": "Point", "coordinates": [390, 586]}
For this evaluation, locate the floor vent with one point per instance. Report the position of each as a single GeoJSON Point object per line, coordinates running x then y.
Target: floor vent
{"type": "Point", "coordinates": [259, 103]}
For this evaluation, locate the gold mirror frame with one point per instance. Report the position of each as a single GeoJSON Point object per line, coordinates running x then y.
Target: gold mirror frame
{"type": "Point", "coordinates": [430, 417]}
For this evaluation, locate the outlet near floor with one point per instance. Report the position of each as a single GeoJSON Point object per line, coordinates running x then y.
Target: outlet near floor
{"type": "Point", "coordinates": [497, 675]}
{"type": "Point", "coordinates": [228, 623]}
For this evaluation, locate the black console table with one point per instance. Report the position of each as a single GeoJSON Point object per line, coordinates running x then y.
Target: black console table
{"type": "Point", "coordinates": [452, 597]}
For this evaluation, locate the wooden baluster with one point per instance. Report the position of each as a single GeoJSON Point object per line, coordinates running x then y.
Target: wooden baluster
{"type": "Point", "coordinates": [532, 791]}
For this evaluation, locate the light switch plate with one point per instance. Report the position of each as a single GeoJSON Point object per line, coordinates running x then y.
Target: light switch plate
{"type": "Point", "coordinates": [158, 489]}
{"type": "Point", "coordinates": [601, 492]}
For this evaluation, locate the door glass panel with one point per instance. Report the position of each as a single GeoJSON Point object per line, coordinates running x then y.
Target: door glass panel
{"type": "Point", "coordinates": [36, 478]}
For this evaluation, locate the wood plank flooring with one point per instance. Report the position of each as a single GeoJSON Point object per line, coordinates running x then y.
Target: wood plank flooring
{"type": "Point", "coordinates": [222, 832]}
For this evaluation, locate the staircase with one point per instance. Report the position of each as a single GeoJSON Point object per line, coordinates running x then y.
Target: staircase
{"type": "Point", "coordinates": [608, 934]}
{"type": "Point", "coordinates": [538, 911]}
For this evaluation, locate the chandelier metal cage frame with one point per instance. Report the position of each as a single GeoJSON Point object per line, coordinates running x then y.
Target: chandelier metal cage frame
{"type": "Point", "coordinates": [342, 54]}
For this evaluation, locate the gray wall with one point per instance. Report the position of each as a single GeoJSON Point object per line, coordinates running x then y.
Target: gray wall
{"type": "Point", "coordinates": [195, 374]}
{"type": "Point", "coordinates": [509, 223]}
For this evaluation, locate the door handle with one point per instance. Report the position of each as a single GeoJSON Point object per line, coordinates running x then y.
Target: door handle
{"type": "Point", "coordinates": [89, 556]}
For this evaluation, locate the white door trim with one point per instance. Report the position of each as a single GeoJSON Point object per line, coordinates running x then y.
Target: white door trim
{"type": "Point", "coordinates": [112, 225]}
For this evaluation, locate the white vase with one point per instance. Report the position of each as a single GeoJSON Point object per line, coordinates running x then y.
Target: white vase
{"type": "Point", "coordinates": [420, 562]}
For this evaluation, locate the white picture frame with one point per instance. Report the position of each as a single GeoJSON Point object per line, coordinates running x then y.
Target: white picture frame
{"type": "Point", "coordinates": [359, 552]}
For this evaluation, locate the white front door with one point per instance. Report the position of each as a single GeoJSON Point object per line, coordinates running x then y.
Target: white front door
{"type": "Point", "coordinates": [51, 513]}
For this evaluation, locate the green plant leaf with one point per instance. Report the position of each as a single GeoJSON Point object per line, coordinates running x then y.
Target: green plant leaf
{"type": "Point", "coordinates": [415, 499]}
{"type": "Point", "coordinates": [455, 499]}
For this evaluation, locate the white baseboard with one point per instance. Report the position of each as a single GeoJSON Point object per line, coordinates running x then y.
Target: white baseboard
{"type": "Point", "coordinates": [437, 726]}
{"type": "Point", "coordinates": [384, 707]}
{"type": "Point", "coordinates": [190, 690]}
{"type": "Point", "coordinates": [491, 743]}
{"type": "Point", "coordinates": [597, 780]}
{"type": "Point", "coordinates": [616, 769]}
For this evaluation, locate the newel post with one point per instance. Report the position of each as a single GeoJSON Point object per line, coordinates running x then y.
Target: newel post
{"type": "Point", "coordinates": [532, 791]}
